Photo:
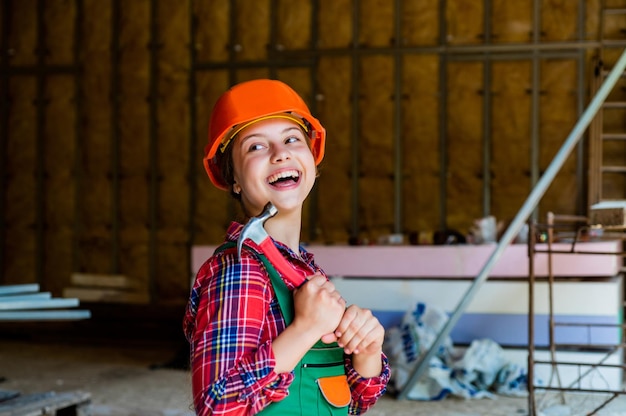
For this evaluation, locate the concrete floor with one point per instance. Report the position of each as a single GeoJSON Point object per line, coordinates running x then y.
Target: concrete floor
{"type": "Point", "coordinates": [122, 383]}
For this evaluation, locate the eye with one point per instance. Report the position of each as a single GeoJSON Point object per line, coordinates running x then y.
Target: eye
{"type": "Point", "coordinates": [292, 139]}
{"type": "Point", "coordinates": [255, 147]}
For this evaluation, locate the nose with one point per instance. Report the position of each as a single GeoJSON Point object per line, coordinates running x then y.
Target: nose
{"type": "Point", "coordinates": [280, 153]}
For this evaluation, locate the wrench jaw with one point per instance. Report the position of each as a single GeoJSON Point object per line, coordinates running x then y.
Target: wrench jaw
{"type": "Point", "coordinates": [254, 229]}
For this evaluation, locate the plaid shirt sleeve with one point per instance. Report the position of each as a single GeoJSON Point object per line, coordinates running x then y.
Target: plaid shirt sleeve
{"type": "Point", "coordinates": [231, 320]}
{"type": "Point", "coordinates": [366, 391]}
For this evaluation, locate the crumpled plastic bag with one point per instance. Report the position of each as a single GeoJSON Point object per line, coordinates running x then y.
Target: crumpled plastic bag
{"type": "Point", "coordinates": [478, 372]}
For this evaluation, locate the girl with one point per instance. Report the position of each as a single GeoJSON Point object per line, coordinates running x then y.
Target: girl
{"type": "Point", "coordinates": [259, 344]}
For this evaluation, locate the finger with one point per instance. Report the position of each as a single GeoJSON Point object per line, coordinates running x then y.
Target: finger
{"type": "Point", "coordinates": [336, 295]}
{"type": "Point", "coordinates": [357, 330]}
{"type": "Point", "coordinates": [351, 340]}
{"type": "Point", "coordinates": [317, 279]}
{"type": "Point", "coordinates": [330, 286]}
{"type": "Point", "coordinates": [372, 343]}
{"type": "Point", "coordinates": [348, 317]}
{"type": "Point", "coordinates": [368, 337]}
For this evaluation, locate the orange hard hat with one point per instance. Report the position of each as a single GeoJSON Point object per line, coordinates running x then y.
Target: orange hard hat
{"type": "Point", "coordinates": [251, 101]}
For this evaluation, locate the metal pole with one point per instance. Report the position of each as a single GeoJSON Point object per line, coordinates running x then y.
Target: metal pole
{"type": "Point", "coordinates": [78, 139]}
{"type": "Point", "coordinates": [154, 47]}
{"type": "Point", "coordinates": [273, 44]}
{"type": "Point", "coordinates": [232, 65]}
{"type": "Point", "coordinates": [443, 128]}
{"type": "Point", "coordinates": [520, 218]}
{"type": "Point", "coordinates": [535, 102]}
{"type": "Point", "coordinates": [487, 110]}
{"type": "Point", "coordinates": [116, 15]}
{"type": "Point", "coordinates": [397, 123]}
{"type": "Point", "coordinates": [354, 229]}
{"type": "Point", "coordinates": [313, 67]}
{"type": "Point", "coordinates": [581, 178]}
{"type": "Point", "coordinates": [4, 120]}
{"type": "Point", "coordinates": [531, 318]}
{"type": "Point", "coordinates": [193, 134]}
{"type": "Point", "coordinates": [40, 146]}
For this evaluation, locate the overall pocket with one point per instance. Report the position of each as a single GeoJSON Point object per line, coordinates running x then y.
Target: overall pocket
{"type": "Point", "coordinates": [335, 390]}
{"type": "Point", "coordinates": [325, 372]}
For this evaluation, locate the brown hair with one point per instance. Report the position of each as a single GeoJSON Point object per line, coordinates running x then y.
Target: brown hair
{"type": "Point", "coordinates": [227, 169]}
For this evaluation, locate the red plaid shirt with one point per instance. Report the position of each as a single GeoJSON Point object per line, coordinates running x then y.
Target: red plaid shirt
{"type": "Point", "coordinates": [230, 322]}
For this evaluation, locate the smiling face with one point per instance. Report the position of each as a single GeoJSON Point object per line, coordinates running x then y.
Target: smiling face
{"type": "Point", "coordinates": [272, 161]}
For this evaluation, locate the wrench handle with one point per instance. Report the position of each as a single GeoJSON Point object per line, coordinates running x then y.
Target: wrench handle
{"type": "Point", "coordinates": [280, 263]}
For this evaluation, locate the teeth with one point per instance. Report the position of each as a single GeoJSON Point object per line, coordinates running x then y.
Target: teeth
{"type": "Point", "coordinates": [284, 174]}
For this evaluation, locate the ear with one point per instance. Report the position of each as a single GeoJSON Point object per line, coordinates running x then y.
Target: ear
{"type": "Point", "coordinates": [236, 188]}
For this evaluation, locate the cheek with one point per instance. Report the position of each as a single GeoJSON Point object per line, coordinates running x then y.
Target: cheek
{"type": "Point", "coordinates": [246, 171]}
{"type": "Point", "coordinates": [312, 169]}
{"type": "Point", "coordinates": [240, 167]}
{"type": "Point", "coordinates": [311, 161]}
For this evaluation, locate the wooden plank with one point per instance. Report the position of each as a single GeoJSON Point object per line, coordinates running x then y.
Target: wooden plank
{"type": "Point", "coordinates": [8, 394]}
{"type": "Point", "coordinates": [106, 295]}
{"type": "Point", "coordinates": [609, 214]}
{"type": "Point", "coordinates": [102, 280]}
{"type": "Point", "coordinates": [76, 402]}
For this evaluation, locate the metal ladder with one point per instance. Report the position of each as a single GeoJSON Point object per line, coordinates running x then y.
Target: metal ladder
{"type": "Point", "coordinates": [607, 133]}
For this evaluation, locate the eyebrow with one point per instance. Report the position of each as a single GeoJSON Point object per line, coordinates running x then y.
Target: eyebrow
{"type": "Point", "coordinates": [286, 130]}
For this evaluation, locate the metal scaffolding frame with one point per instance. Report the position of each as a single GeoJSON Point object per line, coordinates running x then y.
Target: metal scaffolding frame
{"type": "Point", "coordinates": [522, 216]}
{"type": "Point", "coordinates": [553, 225]}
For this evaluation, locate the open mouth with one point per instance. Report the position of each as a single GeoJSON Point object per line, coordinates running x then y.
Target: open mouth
{"type": "Point", "coordinates": [285, 178]}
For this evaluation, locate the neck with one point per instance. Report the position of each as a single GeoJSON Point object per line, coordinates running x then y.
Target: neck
{"type": "Point", "coordinates": [286, 229]}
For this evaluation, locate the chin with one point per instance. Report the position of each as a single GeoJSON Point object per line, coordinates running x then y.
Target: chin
{"type": "Point", "coordinates": [288, 205]}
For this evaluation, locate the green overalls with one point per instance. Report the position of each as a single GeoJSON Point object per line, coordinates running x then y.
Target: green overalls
{"type": "Point", "coordinates": [320, 385]}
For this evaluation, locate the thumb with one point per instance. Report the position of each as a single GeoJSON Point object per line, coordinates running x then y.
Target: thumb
{"type": "Point", "coordinates": [329, 338]}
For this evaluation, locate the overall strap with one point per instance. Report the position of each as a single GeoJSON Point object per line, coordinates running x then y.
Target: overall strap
{"type": "Point", "coordinates": [280, 288]}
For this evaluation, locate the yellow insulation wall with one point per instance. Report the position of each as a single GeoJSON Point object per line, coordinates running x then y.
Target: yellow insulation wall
{"type": "Point", "coordinates": [105, 175]}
